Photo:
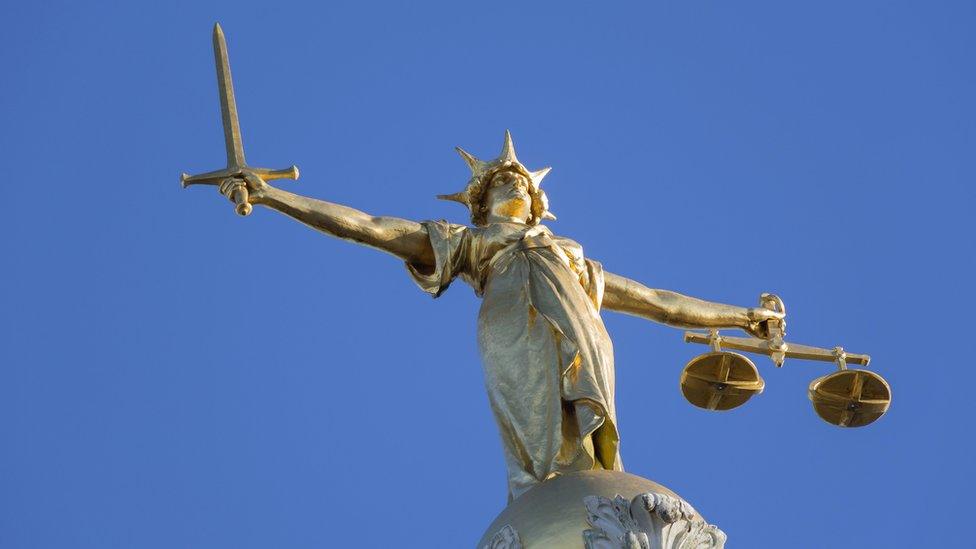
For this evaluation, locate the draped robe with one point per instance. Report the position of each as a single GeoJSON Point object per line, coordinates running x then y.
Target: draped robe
{"type": "Point", "coordinates": [547, 358]}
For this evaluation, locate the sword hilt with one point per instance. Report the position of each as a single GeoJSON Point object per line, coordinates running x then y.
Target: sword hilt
{"type": "Point", "coordinates": [240, 195]}
{"type": "Point", "coordinates": [242, 206]}
{"type": "Point", "coordinates": [762, 347]}
{"type": "Point", "coordinates": [216, 177]}
{"type": "Point", "coordinates": [270, 175]}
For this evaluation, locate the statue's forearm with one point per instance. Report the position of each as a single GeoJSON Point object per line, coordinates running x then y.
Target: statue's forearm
{"type": "Point", "coordinates": [627, 296]}
{"type": "Point", "coordinates": [403, 238]}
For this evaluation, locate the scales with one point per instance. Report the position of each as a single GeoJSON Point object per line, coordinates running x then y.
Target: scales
{"type": "Point", "coordinates": [722, 380]}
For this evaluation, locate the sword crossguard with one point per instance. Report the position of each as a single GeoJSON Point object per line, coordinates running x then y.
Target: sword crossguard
{"type": "Point", "coordinates": [240, 195]}
{"type": "Point", "coordinates": [218, 176]}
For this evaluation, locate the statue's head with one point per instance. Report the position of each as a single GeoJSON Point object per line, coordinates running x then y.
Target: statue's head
{"type": "Point", "coordinates": [503, 187]}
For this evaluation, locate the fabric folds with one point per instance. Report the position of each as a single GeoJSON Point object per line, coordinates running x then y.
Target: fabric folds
{"type": "Point", "coordinates": [547, 358]}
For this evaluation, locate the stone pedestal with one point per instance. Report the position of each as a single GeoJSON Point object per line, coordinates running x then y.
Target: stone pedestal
{"type": "Point", "coordinates": [600, 510]}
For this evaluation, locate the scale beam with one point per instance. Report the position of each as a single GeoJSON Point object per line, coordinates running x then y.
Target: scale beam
{"type": "Point", "coordinates": [846, 398]}
{"type": "Point", "coordinates": [762, 347]}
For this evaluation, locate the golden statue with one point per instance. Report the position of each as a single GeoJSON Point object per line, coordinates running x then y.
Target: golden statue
{"type": "Point", "coordinates": [547, 357]}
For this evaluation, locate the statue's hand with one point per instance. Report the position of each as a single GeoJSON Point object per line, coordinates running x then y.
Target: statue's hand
{"type": "Point", "coordinates": [255, 186]}
{"type": "Point", "coordinates": [244, 189]}
{"type": "Point", "coordinates": [759, 319]}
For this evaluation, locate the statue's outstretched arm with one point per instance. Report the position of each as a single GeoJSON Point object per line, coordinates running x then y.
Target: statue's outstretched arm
{"type": "Point", "coordinates": [403, 238]}
{"type": "Point", "coordinates": [627, 296]}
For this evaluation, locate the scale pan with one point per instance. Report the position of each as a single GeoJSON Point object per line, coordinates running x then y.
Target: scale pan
{"type": "Point", "coordinates": [850, 398]}
{"type": "Point", "coordinates": [720, 380]}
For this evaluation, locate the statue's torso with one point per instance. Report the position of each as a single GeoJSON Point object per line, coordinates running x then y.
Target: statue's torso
{"type": "Point", "coordinates": [547, 358]}
{"type": "Point", "coordinates": [490, 248]}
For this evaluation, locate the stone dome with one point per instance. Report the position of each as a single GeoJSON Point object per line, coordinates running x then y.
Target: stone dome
{"type": "Point", "coordinates": [598, 508]}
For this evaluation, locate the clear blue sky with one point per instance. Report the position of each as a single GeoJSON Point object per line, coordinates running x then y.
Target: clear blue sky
{"type": "Point", "coordinates": [172, 375]}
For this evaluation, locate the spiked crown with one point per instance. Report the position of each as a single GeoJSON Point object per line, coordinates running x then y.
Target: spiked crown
{"type": "Point", "coordinates": [481, 174]}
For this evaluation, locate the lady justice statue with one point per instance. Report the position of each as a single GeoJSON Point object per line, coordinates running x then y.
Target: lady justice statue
{"type": "Point", "coordinates": [547, 358]}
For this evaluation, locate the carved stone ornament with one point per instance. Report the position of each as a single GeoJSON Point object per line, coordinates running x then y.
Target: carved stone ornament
{"type": "Point", "coordinates": [649, 521]}
{"type": "Point", "coordinates": [505, 538]}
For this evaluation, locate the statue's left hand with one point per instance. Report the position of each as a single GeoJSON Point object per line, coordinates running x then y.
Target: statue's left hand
{"type": "Point", "coordinates": [759, 319]}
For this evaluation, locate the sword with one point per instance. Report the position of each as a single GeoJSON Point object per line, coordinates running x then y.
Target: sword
{"type": "Point", "coordinates": [236, 166]}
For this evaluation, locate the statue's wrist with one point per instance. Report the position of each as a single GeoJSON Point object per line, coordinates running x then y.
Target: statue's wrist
{"type": "Point", "coordinates": [746, 317]}
{"type": "Point", "coordinates": [263, 197]}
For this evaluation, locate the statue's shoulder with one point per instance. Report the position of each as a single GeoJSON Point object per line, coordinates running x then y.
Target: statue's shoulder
{"type": "Point", "coordinates": [567, 243]}
{"type": "Point", "coordinates": [443, 227]}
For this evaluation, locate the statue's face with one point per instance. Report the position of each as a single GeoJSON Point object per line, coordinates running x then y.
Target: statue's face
{"type": "Point", "coordinates": [508, 197]}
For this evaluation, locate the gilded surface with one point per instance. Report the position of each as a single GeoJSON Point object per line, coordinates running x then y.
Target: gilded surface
{"type": "Point", "coordinates": [548, 361]}
{"type": "Point", "coordinates": [547, 358]}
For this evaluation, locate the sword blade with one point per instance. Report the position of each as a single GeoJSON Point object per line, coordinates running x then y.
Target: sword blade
{"type": "Point", "coordinates": [228, 106]}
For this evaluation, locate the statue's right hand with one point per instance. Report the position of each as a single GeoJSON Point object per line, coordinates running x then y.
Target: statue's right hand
{"type": "Point", "coordinates": [255, 186]}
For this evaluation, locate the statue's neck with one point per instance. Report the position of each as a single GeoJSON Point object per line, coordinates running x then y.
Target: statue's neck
{"type": "Point", "coordinates": [495, 218]}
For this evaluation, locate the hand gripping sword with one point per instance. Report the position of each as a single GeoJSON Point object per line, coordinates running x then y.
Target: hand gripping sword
{"type": "Point", "coordinates": [236, 166]}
